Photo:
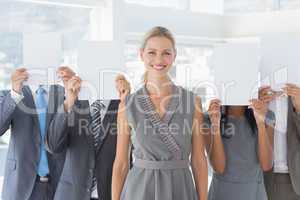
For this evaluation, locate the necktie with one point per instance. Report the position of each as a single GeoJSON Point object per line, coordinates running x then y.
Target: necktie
{"type": "Point", "coordinates": [96, 109]}
{"type": "Point", "coordinates": [41, 107]}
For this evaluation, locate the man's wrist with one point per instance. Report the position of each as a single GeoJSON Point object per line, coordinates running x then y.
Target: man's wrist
{"type": "Point", "coordinates": [16, 96]}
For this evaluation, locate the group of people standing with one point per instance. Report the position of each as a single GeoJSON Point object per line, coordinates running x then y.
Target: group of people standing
{"type": "Point", "coordinates": [152, 144]}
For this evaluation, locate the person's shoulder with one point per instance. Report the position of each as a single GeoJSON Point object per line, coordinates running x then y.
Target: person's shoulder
{"type": "Point", "coordinates": [4, 92]}
{"type": "Point", "coordinates": [133, 96]}
{"type": "Point", "coordinates": [189, 93]}
{"type": "Point", "coordinates": [58, 88]}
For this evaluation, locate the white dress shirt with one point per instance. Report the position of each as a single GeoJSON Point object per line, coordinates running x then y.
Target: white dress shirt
{"type": "Point", "coordinates": [18, 97]}
{"type": "Point", "coordinates": [280, 108]}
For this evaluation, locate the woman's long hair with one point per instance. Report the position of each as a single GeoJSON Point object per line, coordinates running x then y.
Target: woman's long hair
{"type": "Point", "coordinates": [249, 115]}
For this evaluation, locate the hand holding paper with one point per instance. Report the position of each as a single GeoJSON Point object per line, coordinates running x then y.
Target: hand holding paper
{"type": "Point", "coordinates": [260, 109]}
{"type": "Point", "coordinates": [293, 91]}
{"type": "Point", "coordinates": [123, 87]}
{"type": "Point", "coordinates": [72, 91]}
{"type": "Point", "coordinates": [65, 73]}
{"type": "Point", "coordinates": [214, 112]}
{"type": "Point", "coordinates": [18, 78]}
{"type": "Point", "coordinates": [266, 94]}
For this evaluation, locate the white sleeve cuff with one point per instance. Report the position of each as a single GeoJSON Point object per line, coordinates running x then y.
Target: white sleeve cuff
{"type": "Point", "coordinates": [16, 96]}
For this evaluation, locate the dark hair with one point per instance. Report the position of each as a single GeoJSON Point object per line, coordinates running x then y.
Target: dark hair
{"type": "Point", "coordinates": [249, 115]}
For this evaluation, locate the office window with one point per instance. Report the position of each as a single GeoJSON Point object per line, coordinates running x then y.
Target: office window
{"type": "Point", "coordinates": [201, 6]}
{"type": "Point", "coordinates": [207, 6]}
{"type": "Point", "coordinates": [248, 6]}
{"type": "Point", "coordinates": [178, 4]}
{"type": "Point", "coordinates": [289, 4]}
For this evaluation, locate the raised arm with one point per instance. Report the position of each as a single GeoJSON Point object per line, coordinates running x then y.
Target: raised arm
{"type": "Point", "coordinates": [10, 99]}
{"type": "Point", "coordinates": [121, 163]}
{"type": "Point", "coordinates": [198, 158]}
{"type": "Point", "coordinates": [58, 131]}
{"type": "Point", "coordinates": [265, 134]}
{"type": "Point", "coordinates": [213, 140]}
{"type": "Point", "coordinates": [265, 130]}
{"type": "Point", "coordinates": [293, 91]}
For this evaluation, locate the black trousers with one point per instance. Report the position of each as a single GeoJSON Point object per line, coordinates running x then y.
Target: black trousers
{"type": "Point", "coordinates": [42, 191]}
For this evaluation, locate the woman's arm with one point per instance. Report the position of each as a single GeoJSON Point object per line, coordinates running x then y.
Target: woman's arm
{"type": "Point", "coordinates": [121, 163]}
{"type": "Point", "coordinates": [265, 146]}
{"type": "Point", "coordinates": [265, 135]}
{"type": "Point", "coordinates": [199, 161]}
{"type": "Point", "coordinates": [213, 140]}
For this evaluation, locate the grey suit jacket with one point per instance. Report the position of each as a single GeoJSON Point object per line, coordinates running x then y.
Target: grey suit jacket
{"type": "Point", "coordinates": [24, 146]}
{"type": "Point", "coordinates": [293, 151]}
{"type": "Point", "coordinates": [69, 131]}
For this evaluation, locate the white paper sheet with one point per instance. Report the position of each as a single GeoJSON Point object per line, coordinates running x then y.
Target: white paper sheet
{"type": "Point", "coordinates": [235, 71]}
{"type": "Point", "coordinates": [280, 60]}
{"type": "Point", "coordinates": [98, 65]}
{"type": "Point", "coordinates": [42, 55]}
{"type": "Point", "coordinates": [40, 76]}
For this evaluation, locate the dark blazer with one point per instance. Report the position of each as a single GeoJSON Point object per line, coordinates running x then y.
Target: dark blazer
{"type": "Point", "coordinates": [69, 131]}
{"type": "Point", "coordinates": [24, 146]}
{"type": "Point", "coordinates": [293, 151]}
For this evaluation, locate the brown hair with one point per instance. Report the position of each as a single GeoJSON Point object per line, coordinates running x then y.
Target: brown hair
{"type": "Point", "coordinates": [157, 31]}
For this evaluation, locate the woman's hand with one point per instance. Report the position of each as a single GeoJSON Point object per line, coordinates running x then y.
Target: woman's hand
{"type": "Point", "coordinates": [214, 112]}
{"type": "Point", "coordinates": [266, 94]}
{"type": "Point", "coordinates": [123, 87]}
{"type": "Point", "coordinates": [260, 109]}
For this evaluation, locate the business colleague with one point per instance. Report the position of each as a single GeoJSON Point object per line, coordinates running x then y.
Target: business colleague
{"type": "Point", "coordinates": [239, 145]}
{"type": "Point", "coordinates": [283, 181]}
{"type": "Point", "coordinates": [88, 132]}
{"type": "Point", "coordinates": [30, 172]}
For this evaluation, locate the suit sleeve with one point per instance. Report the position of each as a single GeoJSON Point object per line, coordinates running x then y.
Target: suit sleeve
{"type": "Point", "coordinates": [58, 132]}
{"type": "Point", "coordinates": [296, 117]}
{"type": "Point", "coordinates": [7, 108]}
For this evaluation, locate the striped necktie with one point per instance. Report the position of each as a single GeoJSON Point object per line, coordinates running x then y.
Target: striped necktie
{"type": "Point", "coordinates": [96, 109]}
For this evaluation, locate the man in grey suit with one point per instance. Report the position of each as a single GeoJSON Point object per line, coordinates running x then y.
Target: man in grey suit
{"type": "Point", "coordinates": [283, 182]}
{"type": "Point", "coordinates": [88, 131]}
{"type": "Point", "coordinates": [30, 172]}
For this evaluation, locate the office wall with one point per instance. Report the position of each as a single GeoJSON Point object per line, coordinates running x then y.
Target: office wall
{"type": "Point", "coordinates": [261, 23]}
{"type": "Point", "coordinates": [140, 19]}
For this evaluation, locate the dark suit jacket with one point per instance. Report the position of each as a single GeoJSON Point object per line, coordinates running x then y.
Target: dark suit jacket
{"type": "Point", "coordinates": [24, 147]}
{"type": "Point", "coordinates": [293, 151]}
{"type": "Point", "coordinates": [68, 131]}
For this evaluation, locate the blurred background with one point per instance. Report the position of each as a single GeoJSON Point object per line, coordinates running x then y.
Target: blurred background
{"type": "Point", "coordinates": [197, 24]}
